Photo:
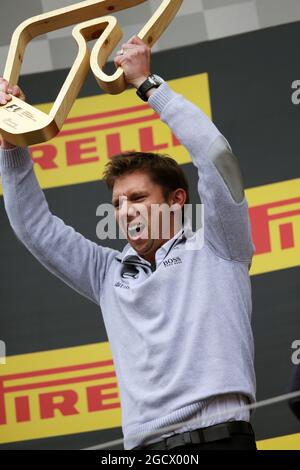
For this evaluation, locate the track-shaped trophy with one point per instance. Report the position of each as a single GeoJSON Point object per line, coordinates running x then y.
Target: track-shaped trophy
{"type": "Point", "coordinates": [21, 123]}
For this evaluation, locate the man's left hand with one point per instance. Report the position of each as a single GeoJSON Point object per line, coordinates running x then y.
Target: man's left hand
{"type": "Point", "coordinates": [134, 58]}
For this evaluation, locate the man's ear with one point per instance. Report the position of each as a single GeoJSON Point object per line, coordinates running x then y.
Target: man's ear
{"type": "Point", "coordinates": [178, 197]}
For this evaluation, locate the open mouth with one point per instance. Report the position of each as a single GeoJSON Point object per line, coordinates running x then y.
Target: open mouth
{"type": "Point", "coordinates": [135, 230]}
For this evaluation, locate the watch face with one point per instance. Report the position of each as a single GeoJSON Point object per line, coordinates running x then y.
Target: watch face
{"type": "Point", "coordinates": [157, 79]}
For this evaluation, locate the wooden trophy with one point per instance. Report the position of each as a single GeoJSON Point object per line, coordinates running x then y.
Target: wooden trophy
{"type": "Point", "coordinates": [21, 123]}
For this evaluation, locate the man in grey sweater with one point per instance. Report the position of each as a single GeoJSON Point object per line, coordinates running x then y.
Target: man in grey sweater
{"type": "Point", "coordinates": [178, 320]}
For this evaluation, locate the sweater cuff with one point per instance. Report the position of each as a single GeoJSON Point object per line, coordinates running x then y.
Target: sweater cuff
{"type": "Point", "coordinates": [161, 97]}
{"type": "Point", "coordinates": [15, 157]}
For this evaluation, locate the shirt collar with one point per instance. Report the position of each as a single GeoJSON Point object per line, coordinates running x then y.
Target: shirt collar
{"type": "Point", "coordinates": [162, 252]}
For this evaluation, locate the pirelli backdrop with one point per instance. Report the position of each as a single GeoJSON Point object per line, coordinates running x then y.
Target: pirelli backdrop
{"type": "Point", "coordinates": [58, 388]}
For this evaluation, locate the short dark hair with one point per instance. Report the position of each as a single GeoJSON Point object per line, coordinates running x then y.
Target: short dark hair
{"type": "Point", "coordinates": [162, 169]}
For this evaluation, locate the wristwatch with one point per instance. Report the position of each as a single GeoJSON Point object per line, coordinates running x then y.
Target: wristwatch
{"type": "Point", "coordinates": [153, 81]}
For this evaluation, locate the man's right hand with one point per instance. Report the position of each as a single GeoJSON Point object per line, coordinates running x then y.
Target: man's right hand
{"type": "Point", "coordinates": [6, 90]}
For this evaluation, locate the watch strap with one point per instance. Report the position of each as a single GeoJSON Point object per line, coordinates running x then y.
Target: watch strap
{"type": "Point", "coordinates": [146, 86]}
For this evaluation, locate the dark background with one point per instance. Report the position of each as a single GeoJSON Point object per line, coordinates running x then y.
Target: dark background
{"type": "Point", "coordinates": [250, 79]}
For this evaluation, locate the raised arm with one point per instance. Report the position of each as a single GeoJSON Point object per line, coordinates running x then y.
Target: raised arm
{"type": "Point", "coordinates": [220, 186]}
{"type": "Point", "coordinates": [227, 224]}
{"type": "Point", "coordinates": [77, 261]}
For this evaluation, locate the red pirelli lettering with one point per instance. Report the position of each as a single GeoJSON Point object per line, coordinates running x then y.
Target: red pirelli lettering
{"type": "Point", "coordinates": [65, 405]}
{"type": "Point", "coordinates": [260, 221]}
{"type": "Point", "coordinates": [59, 401]}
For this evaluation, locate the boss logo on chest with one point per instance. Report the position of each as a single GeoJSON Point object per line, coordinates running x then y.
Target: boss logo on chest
{"type": "Point", "coordinates": [172, 261]}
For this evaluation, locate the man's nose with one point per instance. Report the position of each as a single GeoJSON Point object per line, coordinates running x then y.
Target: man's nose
{"type": "Point", "coordinates": [132, 211]}
{"type": "Point", "coordinates": [129, 211]}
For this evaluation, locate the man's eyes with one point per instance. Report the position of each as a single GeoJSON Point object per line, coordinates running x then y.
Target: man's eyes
{"type": "Point", "coordinates": [136, 198]}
